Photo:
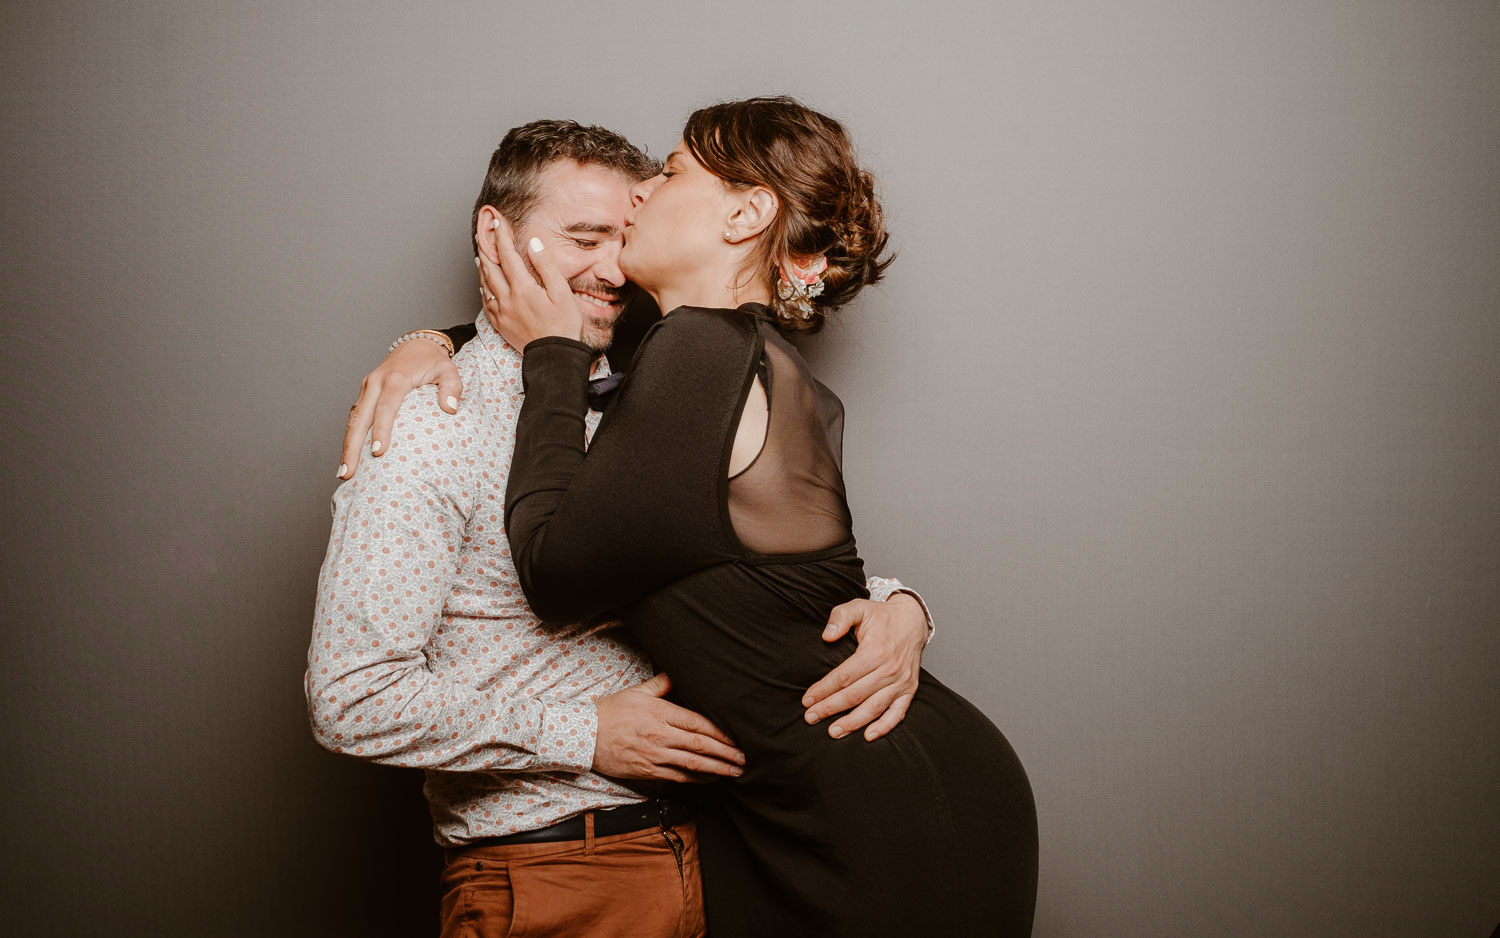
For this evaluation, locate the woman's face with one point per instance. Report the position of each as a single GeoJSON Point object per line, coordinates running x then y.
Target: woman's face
{"type": "Point", "coordinates": [676, 230]}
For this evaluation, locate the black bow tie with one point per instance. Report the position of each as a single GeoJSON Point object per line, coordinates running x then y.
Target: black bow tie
{"type": "Point", "coordinates": [602, 389]}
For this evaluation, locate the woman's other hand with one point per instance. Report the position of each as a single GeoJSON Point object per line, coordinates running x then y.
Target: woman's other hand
{"type": "Point", "coordinates": [520, 308]}
{"type": "Point", "coordinates": [880, 679]}
{"type": "Point", "coordinates": [410, 365]}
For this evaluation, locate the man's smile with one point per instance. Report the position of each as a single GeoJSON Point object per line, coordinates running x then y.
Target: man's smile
{"type": "Point", "coordinates": [598, 301]}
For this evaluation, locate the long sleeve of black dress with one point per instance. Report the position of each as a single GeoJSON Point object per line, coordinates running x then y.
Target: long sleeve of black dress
{"type": "Point", "coordinates": [591, 530]}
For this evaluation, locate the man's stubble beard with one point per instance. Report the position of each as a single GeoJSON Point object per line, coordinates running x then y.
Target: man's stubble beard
{"type": "Point", "coordinates": [598, 332]}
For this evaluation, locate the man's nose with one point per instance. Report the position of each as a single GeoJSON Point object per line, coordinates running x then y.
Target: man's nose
{"type": "Point", "coordinates": [607, 266]}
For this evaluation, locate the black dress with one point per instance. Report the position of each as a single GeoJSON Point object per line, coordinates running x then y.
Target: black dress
{"type": "Point", "coordinates": [727, 584]}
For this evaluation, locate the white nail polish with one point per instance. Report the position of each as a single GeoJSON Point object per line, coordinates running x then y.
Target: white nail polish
{"type": "Point", "coordinates": [375, 447]}
{"type": "Point", "coordinates": [476, 262]}
{"type": "Point", "coordinates": [495, 225]}
{"type": "Point", "coordinates": [536, 245]}
{"type": "Point", "coordinates": [343, 468]}
{"type": "Point", "coordinates": [453, 402]}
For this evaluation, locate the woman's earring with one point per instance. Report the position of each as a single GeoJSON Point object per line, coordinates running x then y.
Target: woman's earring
{"type": "Point", "coordinates": [728, 236]}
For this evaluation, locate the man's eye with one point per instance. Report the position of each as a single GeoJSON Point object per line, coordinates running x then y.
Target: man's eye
{"type": "Point", "coordinates": [584, 243]}
{"type": "Point", "coordinates": [667, 175]}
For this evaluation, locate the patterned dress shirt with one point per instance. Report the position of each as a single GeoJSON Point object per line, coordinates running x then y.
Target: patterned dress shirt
{"type": "Point", "coordinates": [424, 651]}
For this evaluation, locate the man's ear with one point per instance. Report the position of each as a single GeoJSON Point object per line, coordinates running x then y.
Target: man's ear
{"type": "Point", "coordinates": [756, 210]}
{"type": "Point", "coordinates": [484, 232]}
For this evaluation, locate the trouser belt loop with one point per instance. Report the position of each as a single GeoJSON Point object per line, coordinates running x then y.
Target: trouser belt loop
{"type": "Point", "coordinates": [588, 834]}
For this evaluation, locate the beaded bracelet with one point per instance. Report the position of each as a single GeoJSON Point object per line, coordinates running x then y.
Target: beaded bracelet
{"type": "Point", "coordinates": [431, 335]}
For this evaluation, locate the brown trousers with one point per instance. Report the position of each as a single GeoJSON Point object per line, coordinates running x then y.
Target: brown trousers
{"type": "Point", "coordinates": [640, 885]}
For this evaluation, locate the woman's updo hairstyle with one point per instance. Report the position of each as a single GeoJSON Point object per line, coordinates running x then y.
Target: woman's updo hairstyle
{"type": "Point", "coordinates": [827, 202]}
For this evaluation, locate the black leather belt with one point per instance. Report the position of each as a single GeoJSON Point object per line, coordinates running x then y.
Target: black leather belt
{"type": "Point", "coordinates": [626, 819]}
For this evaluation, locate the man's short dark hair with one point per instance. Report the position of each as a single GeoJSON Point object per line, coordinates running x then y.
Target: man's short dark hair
{"type": "Point", "coordinates": [510, 185]}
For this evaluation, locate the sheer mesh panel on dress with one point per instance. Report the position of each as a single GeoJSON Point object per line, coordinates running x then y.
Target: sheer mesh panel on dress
{"type": "Point", "coordinates": [790, 500]}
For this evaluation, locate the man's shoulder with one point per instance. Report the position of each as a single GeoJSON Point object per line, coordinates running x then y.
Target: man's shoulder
{"type": "Point", "coordinates": [420, 409]}
{"type": "Point", "coordinates": [425, 437]}
{"type": "Point", "coordinates": [420, 413]}
{"type": "Point", "coordinates": [487, 365]}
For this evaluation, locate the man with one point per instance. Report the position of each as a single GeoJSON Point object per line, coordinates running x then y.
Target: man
{"type": "Point", "coordinates": [425, 654]}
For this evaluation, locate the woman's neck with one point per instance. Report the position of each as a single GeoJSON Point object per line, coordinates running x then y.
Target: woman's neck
{"type": "Point", "coordinates": [712, 291]}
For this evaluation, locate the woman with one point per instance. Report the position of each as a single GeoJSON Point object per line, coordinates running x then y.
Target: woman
{"type": "Point", "coordinates": [709, 511]}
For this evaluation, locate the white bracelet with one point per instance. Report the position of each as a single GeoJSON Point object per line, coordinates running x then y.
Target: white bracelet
{"type": "Point", "coordinates": [430, 335]}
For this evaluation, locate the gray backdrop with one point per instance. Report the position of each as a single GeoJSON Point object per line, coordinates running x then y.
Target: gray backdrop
{"type": "Point", "coordinates": [1179, 405]}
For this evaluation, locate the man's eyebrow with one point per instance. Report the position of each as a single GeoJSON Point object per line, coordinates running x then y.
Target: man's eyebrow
{"type": "Point", "coordinates": [592, 226]}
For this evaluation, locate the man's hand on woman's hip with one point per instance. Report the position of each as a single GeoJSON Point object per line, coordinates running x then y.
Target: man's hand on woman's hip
{"type": "Point", "coordinates": [879, 680]}
{"type": "Point", "coordinates": [642, 736]}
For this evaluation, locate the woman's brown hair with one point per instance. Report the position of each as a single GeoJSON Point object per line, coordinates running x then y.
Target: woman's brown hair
{"type": "Point", "coordinates": [827, 202]}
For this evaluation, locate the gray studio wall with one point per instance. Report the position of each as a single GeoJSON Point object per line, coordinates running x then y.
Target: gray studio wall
{"type": "Point", "coordinates": [1180, 406]}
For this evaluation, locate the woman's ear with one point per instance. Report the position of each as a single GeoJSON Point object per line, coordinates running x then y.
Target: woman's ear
{"type": "Point", "coordinates": [756, 210]}
{"type": "Point", "coordinates": [484, 232]}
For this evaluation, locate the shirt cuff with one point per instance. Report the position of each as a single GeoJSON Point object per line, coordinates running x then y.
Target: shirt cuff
{"type": "Point", "coordinates": [883, 588]}
{"type": "Point", "coordinates": [566, 740]}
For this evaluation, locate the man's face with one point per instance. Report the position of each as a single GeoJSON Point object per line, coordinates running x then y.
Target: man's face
{"type": "Point", "coordinates": [580, 215]}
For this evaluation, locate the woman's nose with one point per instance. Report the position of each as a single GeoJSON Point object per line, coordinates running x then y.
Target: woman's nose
{"type": "Point", "coordinates": [642, 190]}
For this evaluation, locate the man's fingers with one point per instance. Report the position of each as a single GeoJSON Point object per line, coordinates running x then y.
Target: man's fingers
{"type": "Point", "coordinates": [846, 699]}
{"type": "Point", "coordinates": [872, 707]}
{"type": "Point", "coordinates": [682, 755]}
{"type": "Point", "coordinates": [888, 721]}
{"type": "Point", "coordinates": [667, 774]}
{"type": "Point", "coordinates": [711, 746]}
{"type": "Point", "coordinates": [834, 681]}
{"type": "Point", "coordinates": [843, 618]}
{"type": "Point", "coordinates": [694, 722]}
{"type": "Point", "coordinates": [691, 722]}
{"type": "Point", "coordinates": [658, 686]}
{"type": "Point", "coordinates": [360, 416]}
{"type": "Point", "coordinates": [702, 765]}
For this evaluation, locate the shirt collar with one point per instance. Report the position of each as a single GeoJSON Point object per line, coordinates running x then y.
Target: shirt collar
{"type": "Point", "coordinates": [502, 351]}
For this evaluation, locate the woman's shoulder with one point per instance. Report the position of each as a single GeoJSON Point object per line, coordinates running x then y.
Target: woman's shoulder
{"type": "Point", "coordinates": [717, 332]}
{"type": "Point", "coordinates": [707, 319]}
{"type": "Point", "coordinates": [694, 350]}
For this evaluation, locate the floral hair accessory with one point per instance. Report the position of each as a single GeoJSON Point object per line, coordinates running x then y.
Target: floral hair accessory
{"type": "Point", "coordinates": [797, 285]}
